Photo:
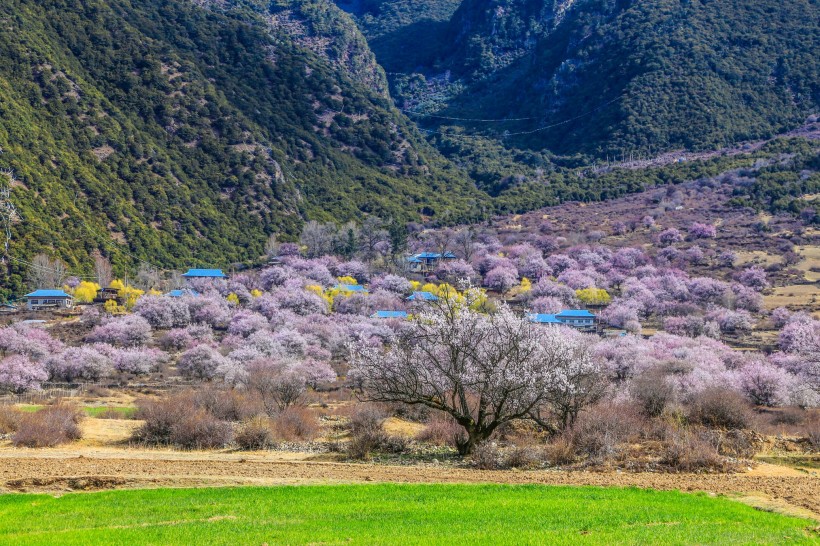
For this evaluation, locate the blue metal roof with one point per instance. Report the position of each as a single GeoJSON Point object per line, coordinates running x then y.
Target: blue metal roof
{"type": "Point", "coordinates": [434, 255]}
{"type": "Point", "coordinates": [425, 296]}
{"type": "Point", "coordinates": [208, 273]}
{"type": "Point", "coordinates": [575, 313]}
{"type": "Point", "coordinates": [351, 288]}
{"type": "Point", "coordinates": [542, 318]}
{"type": "Point", "coordinates": [413, 260]}
{"type": "Point", "coordinates": [389, 314]}
{"type": "Point", "coordinates": [182, 292]}
{"type": "Point", "coordinates": [48, 294]}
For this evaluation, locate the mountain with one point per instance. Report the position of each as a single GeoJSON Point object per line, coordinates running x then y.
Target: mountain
{"type": "Point", "coordinates": [606, 77]}
{"type": "Point", "coordinates": [184, 133]}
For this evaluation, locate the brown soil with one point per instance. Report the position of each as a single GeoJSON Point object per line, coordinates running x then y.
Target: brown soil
{"type": "Point", "coordinates": [56, 471]}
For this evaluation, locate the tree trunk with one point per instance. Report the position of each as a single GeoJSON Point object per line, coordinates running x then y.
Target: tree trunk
{"type": "Point", "coordinates": [475, 435]}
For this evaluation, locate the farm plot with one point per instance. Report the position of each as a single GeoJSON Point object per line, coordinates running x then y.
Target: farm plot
{"type": "Point", "coordinates": [391, 514]}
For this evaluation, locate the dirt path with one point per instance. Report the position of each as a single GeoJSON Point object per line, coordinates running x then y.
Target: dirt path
{"type": "Point", "coordinates": [56, 472]}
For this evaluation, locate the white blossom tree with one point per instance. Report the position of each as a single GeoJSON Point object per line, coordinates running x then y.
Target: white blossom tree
{"type": "Point", "coordinates": [483, 370]}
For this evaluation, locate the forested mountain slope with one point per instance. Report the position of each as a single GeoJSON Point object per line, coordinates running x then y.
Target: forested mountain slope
{"type": "Point", "coordinates": [184, 133]}
{"type": "Point", "coordinates": [618, 76]}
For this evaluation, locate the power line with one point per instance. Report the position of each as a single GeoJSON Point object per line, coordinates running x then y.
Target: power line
{"type": "Point", "coordinates": [544, 128]}
{"type": "Point", "coordinates": [49, 269]}
{"type": "Point", "coordinates": [465, 119]}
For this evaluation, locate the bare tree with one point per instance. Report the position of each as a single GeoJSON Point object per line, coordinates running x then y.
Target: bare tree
{"type": "Point", "coordinates": [318, 238]}
{"type": "Point", "coordinates": [272, 246]}
{"type": "Point", "coordinates": [278, 387]}
{"type": "Point", "coordinates": [442, 240]}
{"type": "Point", "coordinates": [103, 270]}
{"type": "Point", "coordinates": [483, 370]}
{"type": "Point", "coordinates": [464, 243]}
{"type": "Point", "coordinates": [372, 235]}
{"type": "Point", "coordinates": [45, 272]}
{"type": "Point", "coordinates": [147, 277]}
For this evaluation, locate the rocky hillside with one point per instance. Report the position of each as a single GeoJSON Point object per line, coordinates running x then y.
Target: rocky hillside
{"type": "Point", "coordinates": [183, 133]}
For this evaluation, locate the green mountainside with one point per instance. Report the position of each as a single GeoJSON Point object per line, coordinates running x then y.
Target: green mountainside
{"type": "Point", "coordinates": [619, 76]}
{"type": "Point", "coordinates": [185, 133]}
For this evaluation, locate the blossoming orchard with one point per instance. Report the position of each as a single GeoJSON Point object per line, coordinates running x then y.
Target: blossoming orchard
{"type": "Point", "coordinates": [494, 338]}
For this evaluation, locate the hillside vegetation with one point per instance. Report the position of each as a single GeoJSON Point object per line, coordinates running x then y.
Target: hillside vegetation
{"type": "Point", "coordinates": [631, 76]}
{"type": "Point", "coordinates": [182, 135]}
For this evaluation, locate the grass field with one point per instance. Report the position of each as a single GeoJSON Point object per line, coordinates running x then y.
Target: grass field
{"type": "Point", "coordinates": [392, 514]}
{"type": "Point", "coordinates": [91, 411]}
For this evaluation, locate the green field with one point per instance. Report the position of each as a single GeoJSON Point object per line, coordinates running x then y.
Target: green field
{"type": "Point", "coordinates": [392, 514]}
{"type": "Point", "coordinates": [126, 412]}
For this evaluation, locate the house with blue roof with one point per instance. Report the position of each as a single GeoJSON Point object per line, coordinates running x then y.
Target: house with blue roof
{"type": "Point", "coordinates": [48, 299]}
{"type": "Point", "coordinates": [541, 318]}
{"type": "Point", "coordinates": [182, 292]}
{"type": "Point", "coordinates": [422, 296]}
{"type": "Point", "coordinates": [351, 288]}
{"type": "Point", "coordinates": [205, 274]}
{"type": "Point", "coordinates": [426, 262]}
{"type": "Point", "coordinates": [576, 318]}
{"type": "Point", "coordinates": [389, 315]}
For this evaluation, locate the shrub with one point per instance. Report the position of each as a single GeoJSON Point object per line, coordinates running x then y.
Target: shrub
{"type": "Point", "coordinates": [179, 421]}
{"type": "Point", "coordinates": [487, 456]}
{"type": "Point", "coordinates": [296, 424]}
{"type": "Point", "coordinates": [227, 404]}
{"type": "Point", "coordinates": [813, 433]}
{"type": "Point", "coordinates": [559, 451]}
{"type": "Point", "coordinates": [732, 443]}
{"type": "Point", "coordinates": [49, 427]}
{"type": "Point", "coordinates": [159, 417]}
{"type": "Point", "coordinates": [200, 430]}
{"type": "Point", "coordinates": [9, 419]}
{"type": "Point", "coordinates": [653, 393]}
{"type": "Point", "coordinates": [685, 451]}
{"type": "Point", "coordinates": [255, 434]}
{"type": "Point", "coordinates": [598, 431]}
{"type": "Point", "coordinates": [442, 430]}
{"type": "Point", "coordinates": [524, 457]}
{"type": "Point", "coordinates": [719, 408]}
{"type": "Point", "coordinates": [366, 431]}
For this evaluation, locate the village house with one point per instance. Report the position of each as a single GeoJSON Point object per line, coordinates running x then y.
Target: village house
{"type": "Point", "coordinates": [389, 315]}
{"type": "Point", "coordinates": [182, 292]}
{"type": "Point", "coordinates": [576, 318]}
{"type": "Point", "coordinates": [422, 296]}
{"type": "Point", "coordinates": [48, 299]}
{"type": "Point", "coordinates": [107, 294]}
{"type": "Point", "coordinates": [427, 262]}
{"type": "Point", "coordinates": [204, 274]}
{"type": "Point", "coordinates": [351, 288]}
